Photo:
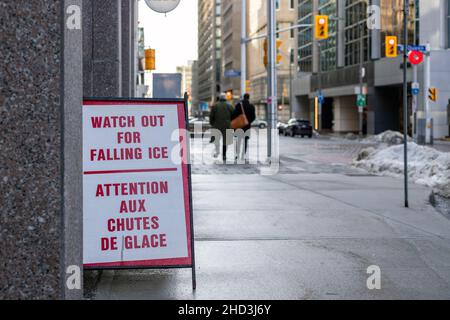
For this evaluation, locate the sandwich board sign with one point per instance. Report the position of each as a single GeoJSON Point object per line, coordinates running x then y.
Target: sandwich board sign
{"type": "Point", "coordinates": [137, 193]}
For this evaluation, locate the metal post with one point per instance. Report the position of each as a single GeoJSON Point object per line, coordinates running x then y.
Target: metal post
{"type": "Point", "coordinates": [191, 206]}
{"type": "Point", "coordinates": [290, 90]}
{"type": "Point", "coordinates": [272, 79]}
{"type": "Point", "coordinates": [361, 76]}
{"type": "Point", "coordinates": [427, 85]}
{"type": "Point", "coordinates": [405, 95]}
{"type": "Point", "coordinates": [414, 104]}
{"type": "Point", "coordinates": [243, 48]}
{"type": "Point", "coordinates": [320, 87]}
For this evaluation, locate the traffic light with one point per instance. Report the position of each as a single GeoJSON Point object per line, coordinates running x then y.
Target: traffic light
{"type": "Point", "coordinates": [279, 56]}
{"type": "Point", "coordinates": [150, 59]}
{"type": "Point", "coordinates": [247, 86]}
{"type": "Point", "coordinates": [266, 54]}
{"type": "Point", "coordinates": [391, 47]}
{"type": "Point", "coordinates": [321, 27]}
{"type": "Point", "coordinates": [229, 94]}
{"type": "Point", "coordinates": [432, 94]}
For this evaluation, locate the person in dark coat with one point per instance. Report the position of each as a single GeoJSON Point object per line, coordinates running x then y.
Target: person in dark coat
{"type": "Point", "coordinates": [250, 113]}
{"type": "Point", "coordinates": [220, 119]}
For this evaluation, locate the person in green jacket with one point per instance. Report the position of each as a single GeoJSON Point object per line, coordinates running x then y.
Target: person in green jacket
{"type": "Point", "coordinates": [220, 119]}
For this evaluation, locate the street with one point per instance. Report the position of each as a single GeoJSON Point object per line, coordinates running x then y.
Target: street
{"type": "Point", "coordinates": [309, 232]}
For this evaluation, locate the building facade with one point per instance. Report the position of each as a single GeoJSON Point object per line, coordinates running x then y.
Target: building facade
{"type": "Point", "coordinates": [332, 66]}
{"type": "Point", "coordinates": [110, 71]}
{"type": "Point", "coordinates": [286, 12]}
{"type": "Point", "coordinates": [53, 54]}
{"type": "Point", "coordinates": [186, 77]}
{"type": "Point", "coordinates": [231, 47]}
{"type": "Point", "coordinates": [209, 50]}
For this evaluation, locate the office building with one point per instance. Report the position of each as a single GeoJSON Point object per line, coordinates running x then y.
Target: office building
{"type": "Point", "coordinates": [333, 65]}
{"type": "Point", "coordinates": [286, 12]}
{"type": "Point", "coordinates": [231, 47]}
{"type": "Point", "coordinates": [209, 50]}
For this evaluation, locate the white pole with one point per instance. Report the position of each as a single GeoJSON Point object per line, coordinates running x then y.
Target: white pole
{"type": "Point", "coordinates": [272, 82]}
{"type": "Point", "coordinates": [414, 104]}
{"type": "Point", "coordinates": [243, 47]}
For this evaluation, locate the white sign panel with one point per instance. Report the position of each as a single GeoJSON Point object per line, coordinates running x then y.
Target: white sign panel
{"type": "Point", "coordinates": [136, 205]}
{"type": "Point", "coordinates": [162, 6]}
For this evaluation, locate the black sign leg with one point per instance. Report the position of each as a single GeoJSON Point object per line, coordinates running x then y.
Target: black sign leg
{"type": "Point", "coordinates": [188, 157]}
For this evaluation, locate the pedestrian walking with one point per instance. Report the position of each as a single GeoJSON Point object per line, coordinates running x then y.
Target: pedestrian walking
{"type": "Point", "coordinates": [220, 119]}
{"type": "Point", "coordinates": [247, 110]}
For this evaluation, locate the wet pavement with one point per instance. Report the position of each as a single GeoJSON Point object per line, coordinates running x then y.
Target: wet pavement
{"type": "Point", "coordinates": [310, 231]}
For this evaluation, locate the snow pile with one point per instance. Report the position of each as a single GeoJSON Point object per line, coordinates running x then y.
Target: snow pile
{"type": "Point", "coordinates": [426, 166]}
{"type": "Point", "coordinates": [387, 137]}
{"type": "Point", "coordinates": [351, 136]}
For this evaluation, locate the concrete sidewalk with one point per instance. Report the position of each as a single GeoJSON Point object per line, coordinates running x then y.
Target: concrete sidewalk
{"type": "Point", "coordinates": [303, 236]}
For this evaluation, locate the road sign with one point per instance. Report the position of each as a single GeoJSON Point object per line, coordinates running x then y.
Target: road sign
{"type": "Point", "coordinates": [232, 73]}
{"type": "Point", "coordinates": [137, 189]}
{"type": "Point", "coordinates": [361, 100]}
{"type": "Point", "coordinates": [162, 6]}
{"type": "Point", "coordinates": [321, 99]}
{"type": "Point", "coordinates": [415, 57]}
{"type": "Point", "coordinates": [432, 94]}
{"type": "Point", "coordinates": [420, 48]}
{"type": "Point", "coordinates": [415, 88]}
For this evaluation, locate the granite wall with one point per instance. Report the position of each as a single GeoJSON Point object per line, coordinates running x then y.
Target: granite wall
{"type": "Point", "coordinates": [102, 43]}
{"type": "Point", "coordinates": [109, 55]}
{"type": "Point", "coordinates": [30, 149]}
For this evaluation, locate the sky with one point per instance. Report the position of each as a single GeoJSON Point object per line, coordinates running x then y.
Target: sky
{"type": "Point", "coordinates": [173, 36]}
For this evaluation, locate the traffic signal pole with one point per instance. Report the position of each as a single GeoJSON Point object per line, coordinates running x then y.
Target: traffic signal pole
{"type": "Point", "coordinates": [361, 77]}
{"type": "Point", "coordinates": [243, 47]}
{"type": "Point", "coordinates": [272, 99]}
{"type": "Point", "coordinates": [272, 95]}
{"type": "Point", "coordinates": [405, 96]}
{"type": "Point", "coordinates": [320, 102]}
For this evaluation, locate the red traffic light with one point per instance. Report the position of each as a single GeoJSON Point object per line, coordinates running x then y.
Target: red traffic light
{"type": "Point", "coordinates": [415, 57]}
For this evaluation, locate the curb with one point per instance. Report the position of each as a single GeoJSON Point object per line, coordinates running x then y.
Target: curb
{"type": "Point", "coordinates": [441, 204]}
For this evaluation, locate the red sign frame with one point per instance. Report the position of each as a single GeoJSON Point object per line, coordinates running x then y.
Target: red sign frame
{"type": "Point", "coordinates": [182, 262]}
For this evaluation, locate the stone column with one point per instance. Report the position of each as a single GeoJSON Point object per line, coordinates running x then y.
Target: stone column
{"type": "Point", "coordinates": [72, 150]}
{"type": "Point", "coordinates": [127, 38]}
{"type": "Point", "coordinates": [102, 39]}
{"type": "Point", "coordinates": [34, 101]}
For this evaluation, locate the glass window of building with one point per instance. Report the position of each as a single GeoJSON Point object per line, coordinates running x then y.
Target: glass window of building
{"type": "Point", "coordinates": [448, 23]}
{"type": "Point", "coordinates": [355, 29]}
{"type": "Point", "coordinates": [305, 36]}
{"type": "Point", "coordinates": [328, 49]}
{"type": "Point", "coordinates": [392, 21]}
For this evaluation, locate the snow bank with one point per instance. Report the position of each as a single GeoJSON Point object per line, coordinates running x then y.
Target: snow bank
{"type": "Point", "coordinates": [426, 166]}
{"type": "Point", "coordinates": [388, 137]}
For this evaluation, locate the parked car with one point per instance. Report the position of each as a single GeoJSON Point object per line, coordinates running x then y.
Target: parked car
{"type": "Point", "coordinates": [259, 124]}
{"type": "Point", "coordinates": [298, 127]}
{"type": "Point", "coordinates": [197, 122]}
{"type": "Point", "coordinates": [281, 126]}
